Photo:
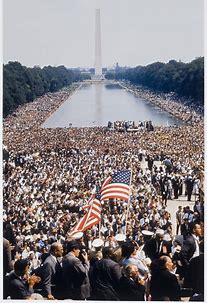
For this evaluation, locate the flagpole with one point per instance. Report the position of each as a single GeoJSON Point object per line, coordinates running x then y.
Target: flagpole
{"type": "Point", "coordinates": [128, 204]}
{"type": "Point", "coordinates": [99, 229]}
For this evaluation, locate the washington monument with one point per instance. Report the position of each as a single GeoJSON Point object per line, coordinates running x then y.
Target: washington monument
{"type": "Point", "coordinates": [98, 59]}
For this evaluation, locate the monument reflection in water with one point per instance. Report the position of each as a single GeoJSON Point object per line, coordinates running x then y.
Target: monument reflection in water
{"type": "Point", "coordinates": [96, 104]}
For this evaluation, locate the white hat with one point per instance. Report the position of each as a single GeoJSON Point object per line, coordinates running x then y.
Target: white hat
{"type": "Point", "coordinates": [120, 237]}
{"type": "Point", "coordinates": [36, 296]}
{"type": "Point", "coordinates": [97, 242]}
{"type": "Point", "coordinates": [147, 233]}
{"type": "Point", "coordinates": [28, 237]}
{"type": "Point", "coordinates": [167, 237]}
{"type": "Point", "coordinates": [78, 235]}
{"type": "Point", "coordinates": [44, 237]}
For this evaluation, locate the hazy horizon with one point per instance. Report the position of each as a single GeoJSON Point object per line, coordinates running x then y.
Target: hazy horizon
{"type": "Point", "coordinates": [88, 67]}
{"type": "Point", "coordinates": [135, 32]}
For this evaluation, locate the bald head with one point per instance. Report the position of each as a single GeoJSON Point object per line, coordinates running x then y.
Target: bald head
{"type": "Point", "coordinates": [166, 262]}
{"type": "Point", "coordinates": [56, 249]}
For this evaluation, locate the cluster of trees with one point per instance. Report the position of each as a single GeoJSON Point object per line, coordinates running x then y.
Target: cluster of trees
{"type": "Point", "coordinates": [185, 79]}
{"type": "Point", "coordinates": [22, 84]}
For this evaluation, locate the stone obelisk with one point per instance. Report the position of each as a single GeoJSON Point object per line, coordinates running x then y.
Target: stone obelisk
{"type": "Point", "coordinates": [98, 63]}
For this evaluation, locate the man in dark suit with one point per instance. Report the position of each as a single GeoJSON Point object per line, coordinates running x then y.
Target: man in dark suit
{"type": "Point", "coordinates": [157, 247]}
{"type": "Point", "coordinates": [105, 277]}
{"type": "Point", "coordinates": [8, 232]}
{"type": "Point", "coordinates": [190, 247]}
{"type": "Point", "coordinates": [194, 277]}
{"type": "Point", "coordinates": [150, 162]}
{"type": "Point", "coordinates": [7, 258]}
{"type": "Point", "coordinates": [163, 283]}
{"type": "Point", "coordinates": [51, 273]}
{"type": "Point", "coordinates": [184, 227]}
{"type": "Point", "coordinates": [18, 285]}
{"type": "Point", "coordinates": [189, 186]}
{"type": "Point", "coordinates": [131, 287]}
{"type": "Point", "coordinates": [75, 273]}
{"type": "Point", "coordinates": [179, 219]}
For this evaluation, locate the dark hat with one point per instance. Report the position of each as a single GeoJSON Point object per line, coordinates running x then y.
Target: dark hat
{"type": "Point", "coordinates": [107, 251]}
{"type": "Point", "coordinates": [20, 265]}
{"type": "Point", "coordinates": [73, 244]}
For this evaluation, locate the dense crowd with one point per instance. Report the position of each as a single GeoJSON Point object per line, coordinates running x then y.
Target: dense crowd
{"type": "Point", "coordinates": [180, 107]}
{"type": "Point", "coordinates": [49, 175]}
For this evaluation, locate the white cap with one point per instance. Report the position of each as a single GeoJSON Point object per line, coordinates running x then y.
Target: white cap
{"type": "Point", "coordinates": [167, 237]}
{"type": "Point", "coordinates": [44, 237]}
{"type": "Point", "coordinates": [97, 242]}
{"type": "Point", "coordinates": [78, 235]}
{"type": "Point", "coordinates": [147, 233]}
{"type": "Point", "coordinates": [120, 237]}
{"type": "Point", "coordinates": [27, 238]}
{"type": "Point", "coordinates": [36, 296]}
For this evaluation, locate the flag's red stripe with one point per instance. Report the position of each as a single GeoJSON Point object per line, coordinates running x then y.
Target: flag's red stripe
{"type": "Point", "coordinates": [106, 181]}
{"type": "Point", "coordinates": [114, 196]}
{"type": "Point", "coordinates": [112, 186]}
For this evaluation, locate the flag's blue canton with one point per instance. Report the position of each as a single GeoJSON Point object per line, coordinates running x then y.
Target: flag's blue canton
{"type": "Point", "coordinates": [98, 193]}
{"type": "Point", "coordinates": [122, 176]}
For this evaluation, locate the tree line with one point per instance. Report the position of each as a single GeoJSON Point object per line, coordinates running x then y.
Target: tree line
{"type": "Point", "coordinates": [185, 79]}
{"type": "Point", "coordinates": [22, 84]}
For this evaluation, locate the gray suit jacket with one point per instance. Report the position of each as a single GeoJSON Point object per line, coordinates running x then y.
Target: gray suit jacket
{"type": "Point", "coordinates": [16, 287]}
{"type": "Point", "coordinates": [51, 276]}
{"type": "Point", "coordinates": [75, 277]}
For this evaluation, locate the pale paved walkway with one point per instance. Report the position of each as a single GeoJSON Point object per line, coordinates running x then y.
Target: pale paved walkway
{"type": "Point", "coordinates": [172, 205]}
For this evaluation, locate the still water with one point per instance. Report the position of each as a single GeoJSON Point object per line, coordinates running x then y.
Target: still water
{"type": "Point", "coordinates": [96, 104]}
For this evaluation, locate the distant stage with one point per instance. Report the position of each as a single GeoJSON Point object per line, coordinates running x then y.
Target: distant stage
{"type": "Point", "coordinates": [97, 103]}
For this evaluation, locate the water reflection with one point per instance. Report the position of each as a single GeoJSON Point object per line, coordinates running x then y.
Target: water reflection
{"type": "Point", "coordinates": [96, 104]}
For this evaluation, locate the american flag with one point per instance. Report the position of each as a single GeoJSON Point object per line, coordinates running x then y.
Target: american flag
{"type": "Point", "coordinates": [94, 214]}
{"type": "Point", "coordinates": [87, 205]}
{"type": "Point", "coordinates": [92, 217]}
{"type": "Point", "coordinates": [117, 186]}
